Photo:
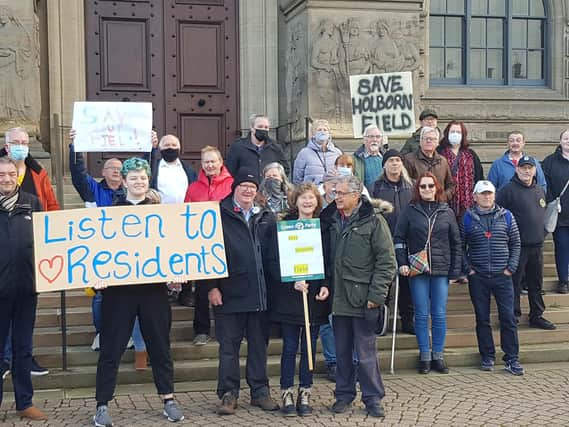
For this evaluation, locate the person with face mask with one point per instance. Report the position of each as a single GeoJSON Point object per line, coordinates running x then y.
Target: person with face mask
{"type": "Point", "coordinates": [170, 174]}
{"type": "Point", "coordinates": [318, 157]}
{"type": "Point", "coordinates": [465, 166]}
{"type": "Point", "coordinates": [274, 188]}
{"type": "Point", "coordinates": [256, 150]}
{"type": "Point", "coordinates": [32, 177]}
{"type": "Point", "coordinates": [345, 167]}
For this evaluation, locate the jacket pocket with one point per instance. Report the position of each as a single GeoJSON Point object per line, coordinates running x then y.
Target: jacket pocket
{"type": "Point", "coordinates": [356, 293]}
{"type": "Point", "coordinates": [236, 285]}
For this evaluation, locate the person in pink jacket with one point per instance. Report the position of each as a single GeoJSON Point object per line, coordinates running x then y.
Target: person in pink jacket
{"type": "Point", "coordinates": [213, 184]}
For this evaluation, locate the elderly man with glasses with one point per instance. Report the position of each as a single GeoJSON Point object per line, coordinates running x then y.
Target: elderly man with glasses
{"type": "Point", "coordinates": [368, 158]}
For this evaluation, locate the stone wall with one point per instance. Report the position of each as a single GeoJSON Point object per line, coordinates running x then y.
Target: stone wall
{"type": "Point", "coordinates": [20, 99]}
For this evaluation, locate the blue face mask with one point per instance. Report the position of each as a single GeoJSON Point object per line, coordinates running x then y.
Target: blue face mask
{"type": "Point", "coordinates": [345, 171]}
{"type": "Point", "coordinates": [19, 152]}
{"type": "Point", "coordinates": [321, 136]}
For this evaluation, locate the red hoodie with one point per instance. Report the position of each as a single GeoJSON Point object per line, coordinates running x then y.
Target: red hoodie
{"type": "Point", "coordinates": [204, 190]}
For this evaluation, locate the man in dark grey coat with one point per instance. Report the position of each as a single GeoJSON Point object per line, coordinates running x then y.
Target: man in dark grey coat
{"type": "Point", "coordinates": [491, 247]}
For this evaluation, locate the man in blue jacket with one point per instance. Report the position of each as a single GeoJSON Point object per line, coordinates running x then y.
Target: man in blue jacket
{"type": "Point", "coordinates": [503, 168]}
{"type": "Point", "coordinates": [491, 247]}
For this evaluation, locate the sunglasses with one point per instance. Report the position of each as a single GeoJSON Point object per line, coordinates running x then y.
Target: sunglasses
{"type": "Point", "coordinates": [425, 186]}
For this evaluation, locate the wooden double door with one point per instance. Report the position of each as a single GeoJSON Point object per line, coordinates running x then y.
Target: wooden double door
{"type": "Point", "coordinates": [181, 55]}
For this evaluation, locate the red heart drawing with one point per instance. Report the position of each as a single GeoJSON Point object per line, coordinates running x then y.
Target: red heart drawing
{"type": "Point", "coordinates": [51, 268]}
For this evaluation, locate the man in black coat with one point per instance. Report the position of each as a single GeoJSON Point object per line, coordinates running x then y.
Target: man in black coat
{"type": "Point", "coordinates": [256, 150]}
{"type": "Point", "coordinates": [240, 300]}
{"type": "Point", "coordinates": [526, 200]}
{"type": "Point", "coordinates": [18, 298]}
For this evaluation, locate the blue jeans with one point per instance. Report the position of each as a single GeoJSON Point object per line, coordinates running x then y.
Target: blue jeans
{"type": "Point", "coordinates": [291, 335]}
{"type": "Point", "coordinates": [328, 342]}
{"type": "Point", "coordinates": [481, 288]}
{"type": "Point", "coordinates": [430, 296]}
{"type": "Point", "coordinates": [561, 241]}
{"type": "Point", "coordinates": [96, 307]}
{"type": "Point", "coordinates": [18, 315]}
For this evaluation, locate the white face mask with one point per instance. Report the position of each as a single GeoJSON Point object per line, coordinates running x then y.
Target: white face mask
{"type": "Point", "coordinates": [455, 138]}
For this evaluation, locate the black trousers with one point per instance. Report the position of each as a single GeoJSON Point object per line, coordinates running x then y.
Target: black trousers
{"type": "Point", "coordinates": [530, 271]}
{"type": "Point", "coordinates": [121, 305]}
{"type": "Point", "coordinates": [202, 323]}
{"type": "Point", "coordinates": [229, 331]}
{"type": "Point", "coordinates": [19, 313]}
{"type": "Point", "coordinates": [357, 333]}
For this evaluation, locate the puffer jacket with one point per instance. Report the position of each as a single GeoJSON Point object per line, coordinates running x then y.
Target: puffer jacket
{"type": "Point", "coordinates": [312, 163]}
{"type": "Point", "coordinates": [285, 303]}
{"type": "Point", "coordinates": [204, 189]}
{"type": "Point", "coordinates": [417, 164]}
{"type": "Point", "coordinates": [556, 170]}
{"type": "Point", "coordinates": [528, 206]}
{"type": "Point", "coordinates": [445, 248]}
{"type": "Point", "coordinates": [252, 259]}
{"type": "Point", "coordinates": [17, 247]}
{"type": "Point", "coordinates": [491, 242]}
{"type": "Point", "coordinates": [359, 258]}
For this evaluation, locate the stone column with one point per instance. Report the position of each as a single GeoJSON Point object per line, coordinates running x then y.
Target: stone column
{"type": "Point", "coordinates": [258, 59]}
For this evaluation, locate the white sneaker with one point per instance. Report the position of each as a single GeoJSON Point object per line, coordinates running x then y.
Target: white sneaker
{"type": "Point", "coordinates": [95, 345]}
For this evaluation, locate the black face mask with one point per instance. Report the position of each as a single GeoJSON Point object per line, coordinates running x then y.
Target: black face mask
{"type": "Point", "coordinates": [261, 134]}
{"type": "Point", "coordinates": [170, 154]}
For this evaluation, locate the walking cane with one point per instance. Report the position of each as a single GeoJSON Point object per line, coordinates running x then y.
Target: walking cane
{"type": "Point", "coordinates": [307, 329]}
{"type": "Point", "coordinates": [394, 324]}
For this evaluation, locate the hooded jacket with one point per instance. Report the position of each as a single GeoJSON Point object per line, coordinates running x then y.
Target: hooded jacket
{"type": "Point", "coordinates": [252, 259]}
{"type": "Point", "coordinates": [285, 303]}
{"type": "Point", "coordinates": [17, 247]}
{"type": "Point", "coordinates": [445, 248]}
{"type": "Point", "coordinates": [312, 163]}
{"type": "Point", "coordinates": [359, 258]}
{"type": "Point", "coordinates": [528, 206]}
{"type": "Point", "coordinates": [206, 189]}
{"type": "Point", "coordinates": [490, 244]}
{"type": "Point", "coordinates": [417, 164]}
{"type": "Point", "coordinates": [244, 154]}
{"type": "Point", "coordinates": [502, 171]}
{"type": "Point", "coordinates": [556, 170]}
{"type": "Point", "coordinates": [40, 181]}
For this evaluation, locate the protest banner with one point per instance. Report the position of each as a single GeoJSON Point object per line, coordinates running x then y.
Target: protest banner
{"type": "Point", "coordinates": [385, 100]}
{"type": "Point", "coordinates": [128, 244]}
{"type": "Point", "coordinates": [112, 126]}
{"type": "Point", "coordinates": [300, 246]}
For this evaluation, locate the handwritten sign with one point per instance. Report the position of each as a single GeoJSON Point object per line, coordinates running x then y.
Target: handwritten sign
{"type": "Point", "coordinates": [385, 100]}
{"type": "Point", "coordinates": [113, 126]}
{"type": "Point", "coordinates": [301, 241]}
{"type": "Point", "coordinates": [128, 244]}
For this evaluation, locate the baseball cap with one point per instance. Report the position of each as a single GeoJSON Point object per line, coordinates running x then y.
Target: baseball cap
{"type": "Point", "coordinates": [484, 185]}
{"type": "Point", "coordinates": [527, 160]}
{"type": "Point", "coordinates": [426, 113]}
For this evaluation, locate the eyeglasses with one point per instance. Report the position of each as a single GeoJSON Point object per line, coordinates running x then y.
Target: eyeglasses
{"type": "Point", "coordinates": [425, 186]}
{"type": "Point", "coordinates": [19, 142]}
{"type": "Point", "coordinates": [342, 193]}
{"type": "Point", "coordinates": [374, 136]}
{"type": "Point", "coordinates": [248, 187]}
{"type": "Point", "coordinates": [428, 139]}
{"type": "Point", "coordinates": [114, 169]}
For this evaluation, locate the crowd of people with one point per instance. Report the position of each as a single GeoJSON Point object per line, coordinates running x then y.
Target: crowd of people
{"type": "Point", "coordinates": [425, 214]}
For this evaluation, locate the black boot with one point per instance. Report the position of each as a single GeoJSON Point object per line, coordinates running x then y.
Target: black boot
{"type": "Point", "coordinates": [439, 365]}
{"type": "Point", "coordinates": [424, 366]}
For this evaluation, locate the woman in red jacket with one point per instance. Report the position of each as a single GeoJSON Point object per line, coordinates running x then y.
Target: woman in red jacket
{"type": "Point", "coordinates": [213, 184]}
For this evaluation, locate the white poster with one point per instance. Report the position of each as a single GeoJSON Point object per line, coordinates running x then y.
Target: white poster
{"type": "Point", "coordinates": [112, 126]}
{"type": "Point", "coordinates": [385, 100]}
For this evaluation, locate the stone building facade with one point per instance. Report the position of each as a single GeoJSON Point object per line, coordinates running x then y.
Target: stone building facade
{"type": "Point", "coordinates": [294, 57]}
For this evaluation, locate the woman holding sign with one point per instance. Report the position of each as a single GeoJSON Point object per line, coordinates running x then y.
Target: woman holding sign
{"type": "Point", "coordinates": [286, 307]}
{"type": "Point", "coordinates": [121, 306]}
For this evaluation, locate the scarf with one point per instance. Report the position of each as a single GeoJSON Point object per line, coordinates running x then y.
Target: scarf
{"type": "Point", "coordinates": [462, 170]}
{"type": "Point", "coordinates": [8, 201]}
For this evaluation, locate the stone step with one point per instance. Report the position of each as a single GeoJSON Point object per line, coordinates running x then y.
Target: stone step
{"type": "Point", "coordinates": [206, 369]}
{"type": "Point", "coordinates": [461, 302]}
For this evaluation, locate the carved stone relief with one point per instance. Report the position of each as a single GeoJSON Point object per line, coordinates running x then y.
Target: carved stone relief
{"type": "Point", "coordinates": [296, 77]}
{"type": "Point", "coordinates": [350, 46]}
{"type": "Point", "coordinates": [19, 65]}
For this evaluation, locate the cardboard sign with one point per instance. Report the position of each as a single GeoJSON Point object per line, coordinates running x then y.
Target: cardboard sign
{"type": "Point", "coordinates": [300, 249]}
{"type": "Point", "coordinates": [128, 244]}
{"type": "Point", "coordinates": [385, 100]}
{"type": "Point", "coordinates": [112, 126]}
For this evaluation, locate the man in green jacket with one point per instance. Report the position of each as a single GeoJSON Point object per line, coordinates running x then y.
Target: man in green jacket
{"type": "Point", "coordinates": [361, 265]}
